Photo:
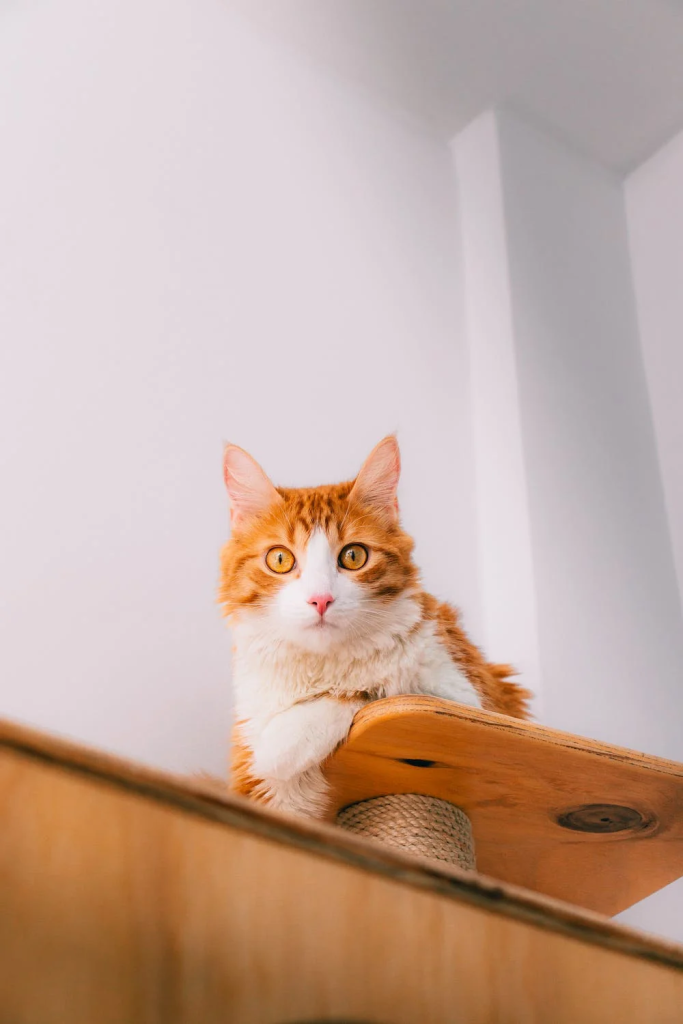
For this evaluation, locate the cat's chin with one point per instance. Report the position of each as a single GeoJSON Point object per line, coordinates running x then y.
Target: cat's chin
{"type": "Point", "coordinates": [268, 633]}
{"type": "Point", "coordinates": [319, 638]}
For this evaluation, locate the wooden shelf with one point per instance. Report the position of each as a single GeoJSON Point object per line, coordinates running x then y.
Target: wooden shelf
{"type": "Point", "coordinates": [518, 781]}
{"type": "Point", "coordinates": [130, 895]}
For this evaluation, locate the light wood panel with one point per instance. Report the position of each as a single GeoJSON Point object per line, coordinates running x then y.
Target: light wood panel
{"type": "Point", "coordinates": [133, 897]}
{"type": "Point", "coordinates": [515, 779]}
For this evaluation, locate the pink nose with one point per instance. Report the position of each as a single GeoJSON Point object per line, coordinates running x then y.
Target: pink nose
{"type": "Point", "coordinates": [321, 602]}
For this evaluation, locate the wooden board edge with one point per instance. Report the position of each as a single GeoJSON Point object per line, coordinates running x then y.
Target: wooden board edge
{"type": "Point", "coordinates": [400, 707]}
{"type": "Point", "coordinates": [205, 799]}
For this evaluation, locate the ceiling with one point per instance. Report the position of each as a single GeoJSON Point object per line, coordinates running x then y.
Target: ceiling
{"type": "Point", "coordinates": [605, 75]}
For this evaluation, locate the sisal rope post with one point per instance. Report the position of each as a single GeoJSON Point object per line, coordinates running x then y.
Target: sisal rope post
{"type": "Point", "coordinates": [423, 825]}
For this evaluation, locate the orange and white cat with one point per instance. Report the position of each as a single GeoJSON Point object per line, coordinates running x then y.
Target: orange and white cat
{"type": "Point", "coordinates": [327, 614]}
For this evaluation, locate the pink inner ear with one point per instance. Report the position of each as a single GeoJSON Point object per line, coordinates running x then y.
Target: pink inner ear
{"type": "Point", "coordinates": [251, 492]}
{"type": "Point", "coordinates": [377, 481]}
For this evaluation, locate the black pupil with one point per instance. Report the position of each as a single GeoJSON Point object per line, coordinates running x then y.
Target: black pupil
{"type": "Point", "coordinates": [352, 554]}
{"type": "Point", "coordinates": [280, 558]}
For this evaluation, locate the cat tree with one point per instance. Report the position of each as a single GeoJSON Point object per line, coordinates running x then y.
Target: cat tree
{"type": "Point", "coordinates": [129, 894]}
{"type": "Point", "coordinates": [593, 824]}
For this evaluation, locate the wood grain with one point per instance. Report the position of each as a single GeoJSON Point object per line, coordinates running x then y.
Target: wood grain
{"type": "Point", "coordinates": [132, 897]}
{"type": "Point", "coordinates": [514, 780]}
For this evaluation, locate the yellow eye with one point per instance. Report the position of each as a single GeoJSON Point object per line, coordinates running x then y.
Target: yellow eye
{"type": "Point", "coordinates": [353, 556]}
{"type": "Point", "coordinates": [280, 560]}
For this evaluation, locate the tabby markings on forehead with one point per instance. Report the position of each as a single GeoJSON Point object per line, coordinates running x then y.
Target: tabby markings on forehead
{"type": "Point", "coordinates": [318, 506]}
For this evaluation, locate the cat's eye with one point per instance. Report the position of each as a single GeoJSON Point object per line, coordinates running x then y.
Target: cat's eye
{"type": "Point", "coordinates": [280, 560]}
{"type": "Point", "coordinates": [353, 556]}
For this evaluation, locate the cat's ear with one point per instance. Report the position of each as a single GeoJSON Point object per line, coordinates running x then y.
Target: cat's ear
{"type": "Point", "coordinates": [250, 490]}
{"type": "Point", "coordinates": [377, 482]}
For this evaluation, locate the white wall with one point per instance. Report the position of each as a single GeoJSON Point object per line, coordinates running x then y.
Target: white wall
{"type": "Point", "coordinates": [610, 629]}
{"type": "Point", "coordinates": [503, 528]}
{"type": "Point", "coordinates": [654, 203]}
{"type": "Point", "coordinates": [571, 517]}
{"type": "Point", "coordinates": [201, 238]}
{"type": "Point", "coordinates": [575, 550]}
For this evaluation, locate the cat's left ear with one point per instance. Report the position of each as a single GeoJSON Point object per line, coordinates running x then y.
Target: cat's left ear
{"type": "Point", "coordinates": [251, 492]}
{"type": "Point", "coordinates": [377, 482]}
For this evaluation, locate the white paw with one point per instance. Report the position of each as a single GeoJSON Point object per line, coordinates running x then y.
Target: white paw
{"type": "Point", "coordinates": [281, 753]}
{"type": "Point", "coordinates": [301, 737]}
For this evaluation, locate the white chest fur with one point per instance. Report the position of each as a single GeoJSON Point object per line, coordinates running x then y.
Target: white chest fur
{"type": "Point", "coordinates": [268, 679]}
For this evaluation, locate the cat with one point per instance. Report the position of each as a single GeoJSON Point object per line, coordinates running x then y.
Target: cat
{"type": "Point", "coordinates": [327, 614]}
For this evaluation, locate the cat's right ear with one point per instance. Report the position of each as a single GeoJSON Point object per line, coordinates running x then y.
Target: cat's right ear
{"type": "Point", "coordinates": [251, 492]}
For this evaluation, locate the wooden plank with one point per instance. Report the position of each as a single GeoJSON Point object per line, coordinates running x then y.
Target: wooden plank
{"type": "Point", "coordinates": [209, 798]}
{"type": "Point", "coordinates": [515, 780]}
{"type": "Point", "coordinates": [131, 896]}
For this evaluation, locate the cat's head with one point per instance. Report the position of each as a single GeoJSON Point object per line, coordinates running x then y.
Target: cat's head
{"type": "Point", "coordinates": [321, 566]}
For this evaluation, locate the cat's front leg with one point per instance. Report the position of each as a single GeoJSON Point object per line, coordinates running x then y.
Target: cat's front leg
{"type": "Point", "coordinates": [301, 737]}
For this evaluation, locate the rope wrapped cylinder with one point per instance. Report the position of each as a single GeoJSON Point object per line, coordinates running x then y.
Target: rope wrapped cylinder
{"type": "Point", "coordinates": [423, 825]}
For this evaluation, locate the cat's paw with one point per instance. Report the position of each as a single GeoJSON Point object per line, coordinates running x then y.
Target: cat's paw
{"type": "Point", "coordinates": [301, 738]}
{"type": "Point", "coordinates": [282, 752]}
